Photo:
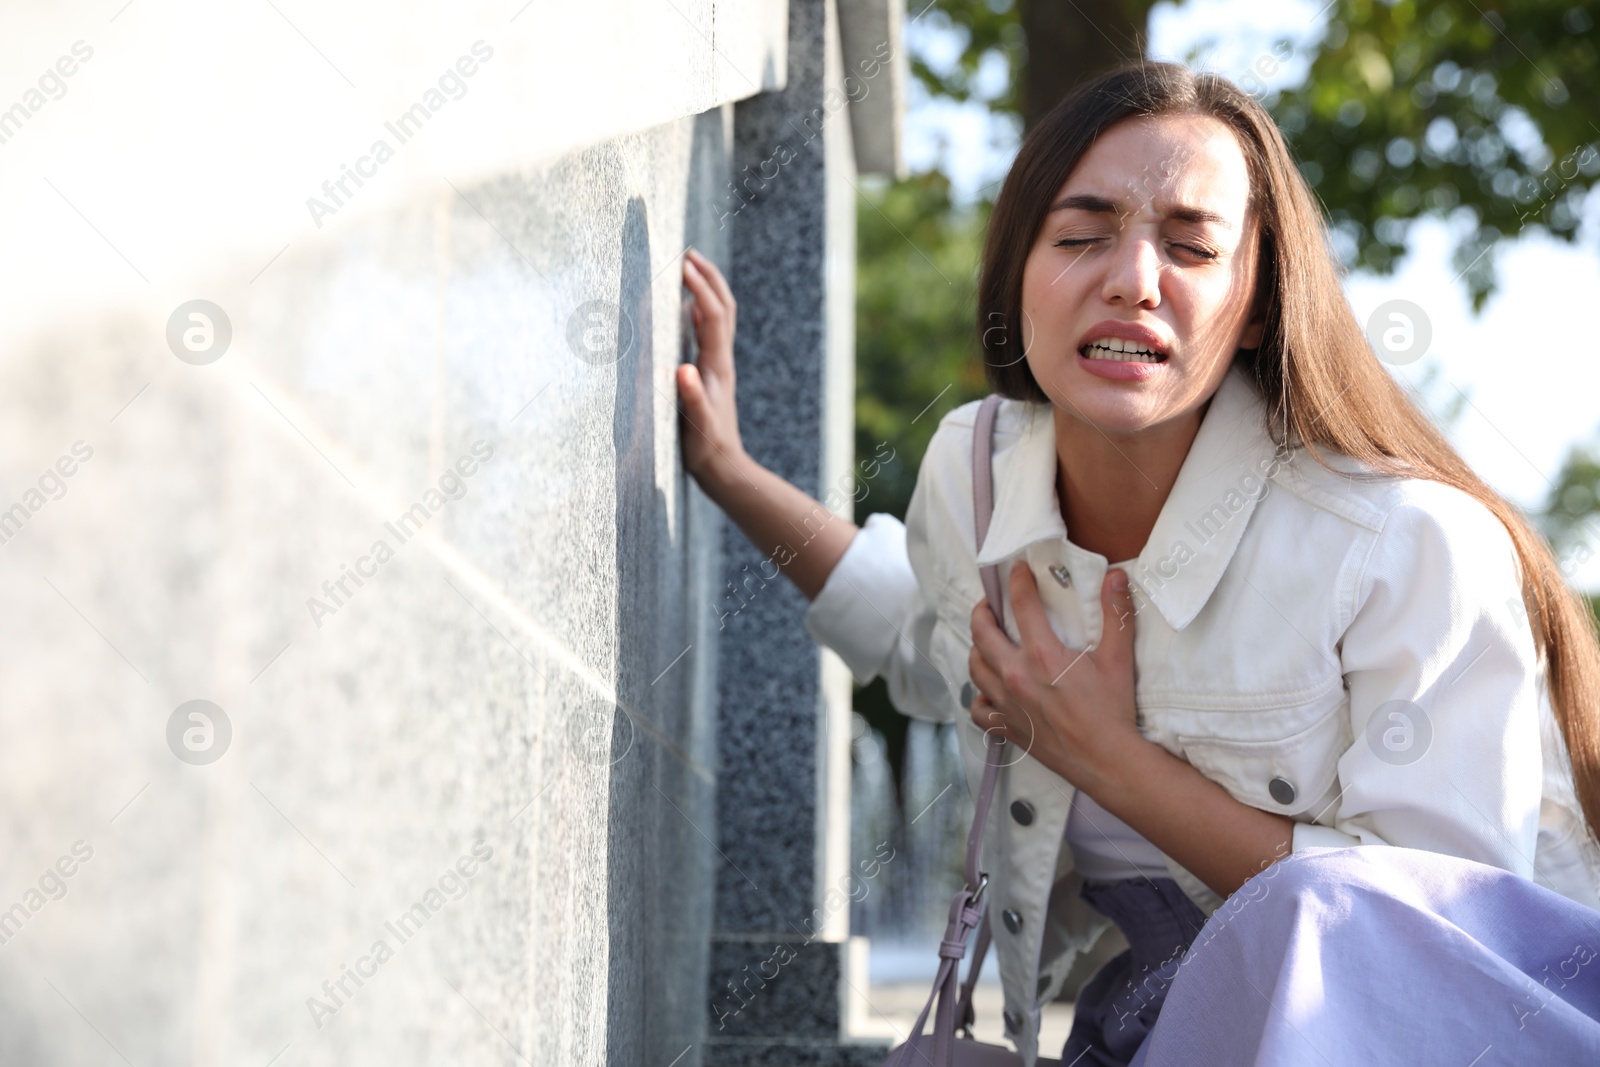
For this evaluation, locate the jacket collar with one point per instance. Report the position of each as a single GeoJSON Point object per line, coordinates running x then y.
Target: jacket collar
{"type": "Point", "coordinates": [1222, 478]}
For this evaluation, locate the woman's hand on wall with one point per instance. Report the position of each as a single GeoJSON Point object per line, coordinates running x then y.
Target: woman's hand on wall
{"type": "Point", "coordinates": [765, 506]}
{"type": "Point", "coordinates": [1068, 708]}
{"type": "Point", "coordinates": [712, 448]}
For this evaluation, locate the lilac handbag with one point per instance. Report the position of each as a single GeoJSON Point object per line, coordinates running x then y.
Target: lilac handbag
{"type": "Point", "coordinates": [941, 1047]}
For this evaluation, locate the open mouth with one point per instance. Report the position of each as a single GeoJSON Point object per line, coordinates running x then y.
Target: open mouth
{"type": "Point", "coordinates": [1120, 351]}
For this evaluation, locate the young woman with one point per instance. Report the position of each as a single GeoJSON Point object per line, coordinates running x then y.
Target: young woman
{"type": "Point", "coordinates": [1256, 611]}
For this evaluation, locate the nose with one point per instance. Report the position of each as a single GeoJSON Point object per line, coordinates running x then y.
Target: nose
{"type": "Point", "coordinates": [1133, 277]}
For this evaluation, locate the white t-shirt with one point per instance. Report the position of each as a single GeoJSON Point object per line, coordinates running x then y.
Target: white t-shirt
{"type": "Point", "coordinates": [1105, 849]}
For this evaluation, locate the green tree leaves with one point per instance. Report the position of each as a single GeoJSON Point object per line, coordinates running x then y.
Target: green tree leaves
{"type": "Point", "coordinates": [1445, 108]}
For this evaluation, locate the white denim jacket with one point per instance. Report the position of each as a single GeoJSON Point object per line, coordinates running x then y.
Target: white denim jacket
{"type": "Point", "coordinates": [1351, 653]}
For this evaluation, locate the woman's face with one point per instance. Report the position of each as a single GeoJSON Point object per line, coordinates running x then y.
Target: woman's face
{"type": "Point", "coordinates": [1148, 245]}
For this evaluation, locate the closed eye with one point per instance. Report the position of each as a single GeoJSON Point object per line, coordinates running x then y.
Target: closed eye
{"type": "Point", "coordinates": [1079, 242]}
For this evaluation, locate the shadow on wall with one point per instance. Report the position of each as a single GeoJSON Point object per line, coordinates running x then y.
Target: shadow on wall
{"type": "Point", "coordinates": [661, 801]}
{"type": "Point", "coordinates": [659, 914]}
{"type": "Point", "coordinates": [636, 760]}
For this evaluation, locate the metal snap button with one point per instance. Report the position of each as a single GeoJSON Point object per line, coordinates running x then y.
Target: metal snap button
{"type": "Point", "coordinates": [1062, 576]}
{"type": "Point", "coordinates": [966, 694]}
{"type": "Point", "coordinates": [1022, 811]}
{"type": "Point", "coordinates": [1012, 1020]}
{"type": "Point", "coordinates": [1282, 790]}
{"type": "Point", "coordinates": [1012, 918]}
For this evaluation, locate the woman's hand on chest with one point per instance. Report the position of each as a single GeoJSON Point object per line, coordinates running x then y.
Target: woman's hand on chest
{"type": "Point", "coordinates": [1068, 708]}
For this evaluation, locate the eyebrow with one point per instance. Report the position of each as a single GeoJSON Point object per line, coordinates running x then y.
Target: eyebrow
{"type": "Point", "coordinates": [1099, 204]}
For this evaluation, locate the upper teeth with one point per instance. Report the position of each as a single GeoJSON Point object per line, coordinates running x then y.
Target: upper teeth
{"type": "Point", "coordinates": [1115, 348]}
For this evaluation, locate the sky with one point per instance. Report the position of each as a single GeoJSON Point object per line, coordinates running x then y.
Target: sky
{"type": "Point", "coordinates": [1523, 409]}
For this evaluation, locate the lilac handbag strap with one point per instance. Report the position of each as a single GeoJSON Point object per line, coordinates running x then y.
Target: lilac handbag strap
{"type": "Point", "coordinates": [966, 909]}
{"type": "Point", "coordinates": [980, 948]}
{"type": "Point", "coordinates": [982, 511]}
{"type": "Point", "coordinates": [983, 494]}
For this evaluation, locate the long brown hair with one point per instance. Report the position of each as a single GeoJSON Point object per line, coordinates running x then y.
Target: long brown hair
{"type": "Point", "coordinates": [1323, 385]}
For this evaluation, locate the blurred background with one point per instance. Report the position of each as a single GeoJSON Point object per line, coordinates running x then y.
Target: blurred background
{"type": "Point", "coordinates": [373, 687]}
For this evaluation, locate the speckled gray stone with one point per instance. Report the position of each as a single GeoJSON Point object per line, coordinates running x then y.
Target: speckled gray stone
{"type": "Point", "coordinates": [534, 670]}
{"type": "Point", "coordinates": [768, 1053]}
{"type": "Point", "coordinates": [775, 988]}
{"type": "Point", "coordinates": [768, 686]}
{"type": "Point", "coordinates": [776, 793]}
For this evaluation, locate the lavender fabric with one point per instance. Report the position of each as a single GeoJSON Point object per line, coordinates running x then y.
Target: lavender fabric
{"type": "Point", "coordinates": [1378, 955]}
{"type": "Point", "coordinates": [1116, 1008]}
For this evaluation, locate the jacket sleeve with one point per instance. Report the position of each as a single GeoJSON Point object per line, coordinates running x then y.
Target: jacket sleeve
{"type": "Point", "coordinates": [1442, 677]}
{"type": "Point", "coordinates": [875, 610]}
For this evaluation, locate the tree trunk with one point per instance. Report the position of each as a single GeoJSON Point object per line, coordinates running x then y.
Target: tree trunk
{"type": "Point", "coordinates": [1070, 41]}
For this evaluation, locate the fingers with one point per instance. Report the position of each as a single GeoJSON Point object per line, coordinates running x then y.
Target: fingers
{"type": "Point", "coordinates": [990, 719]}
{"type": "Point", "coordinates": [1032, 621]}
{"type": "Point", "coordinates": [982, 713]}
{"type": "Point", "coordinates": [706, 297]}
{"type": "Point", "coordinates": [989, 641]}
{"type": "Point", "coordinates": [718, 282]}
{"type": "Point", "coordinates": [985, 633]}
{"type": "Point", "coordinates": [713, 320]}
{"type": "Point", "coordinates": [690, 389]}
{"type": "Point", "coordinates": [985, 715]}
{"type": "Point", "coordinates": [985, 678]}
{"type": "Point", "coordinates": [699, 283]}
{"type": "Point", "coordinates": [710, 289]}
{"type": "Point", "coordinates": [1116, 630]}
